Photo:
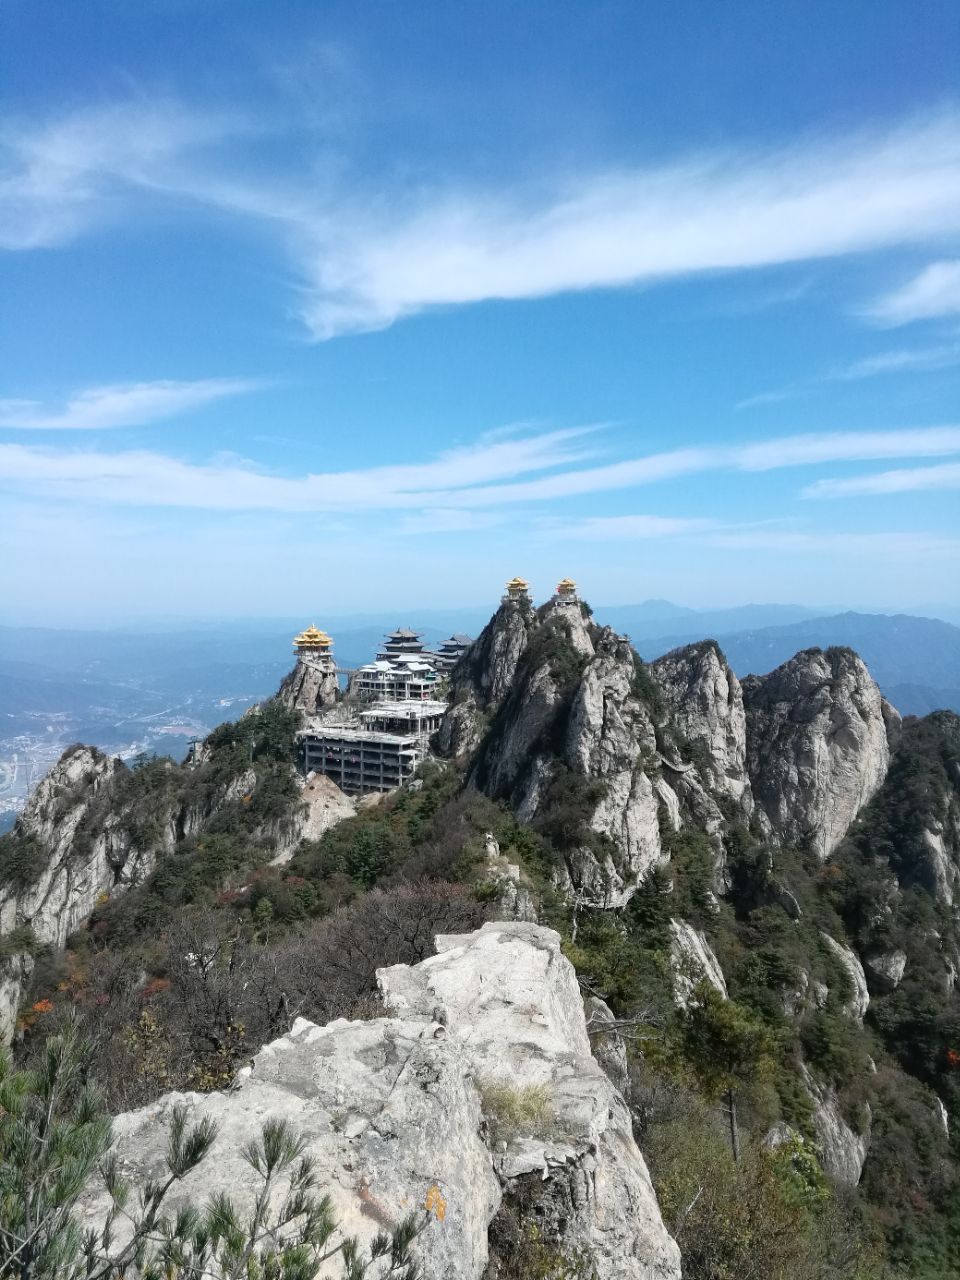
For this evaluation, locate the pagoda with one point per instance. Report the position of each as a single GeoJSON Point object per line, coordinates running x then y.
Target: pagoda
{"type": "Point", "coordinates": [314, 641]}
{"type": "Point", "coordinates": [517, 590]}
{"type": "Point", "coordinates": [452, 650]}
{"type": "Point", "coordinates": [566, 592]}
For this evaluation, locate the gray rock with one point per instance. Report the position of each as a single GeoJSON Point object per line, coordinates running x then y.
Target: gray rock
{"type": "Point", "coordinates": [817, 745]}
{"type": "Point", "coordinates": [706, 701]}
{"type": "Point", "coordinates": [693, 961]}
{"type": "Point", "coordinates": [885, 969]}
{"type": "Point", "coordinates": [311, 686]}
{"type": "Point", "coordinates": [844, 1152]}
{"type": "Point", "coordinates": [392, 1113]}
{"type": "Point", "coordinates": [858, 1003]}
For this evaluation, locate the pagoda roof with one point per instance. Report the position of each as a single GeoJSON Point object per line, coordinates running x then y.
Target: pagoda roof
{"type": "Point", "coordinates": [518, 584]}
{"type": "Point", "coordinates": [457, 638]}
{"type": "Point", "coordinates": [566, 584]}
{"type": "Point", "coordinates": [404, 633]}
{"type": "Point", "coordinates": [312, 638]}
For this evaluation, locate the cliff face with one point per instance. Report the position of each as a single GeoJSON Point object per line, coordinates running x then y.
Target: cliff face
{"type": "Point", "coordinates": [706, 702]}
{"type": "Point", "coordinates": [401, 1111]}
{"type": "Point", "coordinates": [570, 741]}
{"type": "Point", "coordinates": [818, 745]}
{"type": "Point", "coordinates": [309, 687]}
{"type": "Point", "coordinates": [94, 827]}
{"type": "Point", "coordinates": [484, 677]}
{"type": "Point", "coordinates": [550, 709]}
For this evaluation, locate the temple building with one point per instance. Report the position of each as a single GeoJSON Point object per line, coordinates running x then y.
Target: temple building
{"type": "Point", "coordinates": [401, 642]}
{"type": "Point", "coordinates": [451, 651]}
{"type": "Point", "coordinates": [517, 591]}
{"type": "Point", "coordinates": [313, 684]}
{"type": "Point", "coordinates": [402, 669]}
{"type": "Point", "coordinates": [566, 592]}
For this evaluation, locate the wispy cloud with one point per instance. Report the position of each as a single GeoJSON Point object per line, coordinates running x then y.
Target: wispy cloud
{"type": "Point", "coordinates": [492, 473]}
{"type": "Point", "coordinates": [132, 404]}
{"type": "Point", "coordinates": [716, 212]}
{"type": "Point", "coordinates": [897, 545]}
{"type": "Point", "coordinates": [934, 292]}
{"type": "Point", "coordinates": [625, 528]}
{"type": "Point", "coordinates": [917, 360]}
{"type": "Point", "coordinates": [141, 478]}
{"type": "Point", "coordinates": [885, 363]}
{"type": "Point", "coordinates": [369, 256]}
{"type": "Point", "coordinates": [906, 480]}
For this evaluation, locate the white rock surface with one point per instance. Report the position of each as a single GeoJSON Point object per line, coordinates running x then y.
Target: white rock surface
{"type": "Point", "coordinates": [706, 702]}
{"type": "Point", "coordinates": [859, 1001]}
{"type": "Point", "coordinates": [310, 687]}
{"type": "Point", "coordinates": [817, 745]}
{"type": "Point", "coordinates": [391, 1111]}
{"type": "Point", "coordinates": [885, 968]}
{"type": "Point", "coordinates": [844, 1152]}
{"type": "Point", "coordinates": [693, 960]}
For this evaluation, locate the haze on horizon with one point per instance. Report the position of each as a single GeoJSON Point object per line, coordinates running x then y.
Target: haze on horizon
{"type": "Point", "coordinates": [351, 308]}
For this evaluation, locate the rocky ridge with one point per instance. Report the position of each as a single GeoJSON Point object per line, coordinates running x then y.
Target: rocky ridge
{"type": "Point", "coordinates": [397, 1114]}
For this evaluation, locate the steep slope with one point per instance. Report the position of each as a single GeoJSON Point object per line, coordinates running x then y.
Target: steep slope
{"type": "Point", "coordinates": [399, 1112]}
{"type": "Point", "coordinates": [818, 745]}
{"type": "Point", "coordinates": [94, 827]}
{"type": "Point", "coordinates": [915, 660]}
{"type": "Point", "coordinates": [706, 701]}
{"type": "Point", "coordinates": [571, 744]}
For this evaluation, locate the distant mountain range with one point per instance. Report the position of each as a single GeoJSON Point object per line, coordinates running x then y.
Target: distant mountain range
{"type": "Point", "coordinates": [152, 690]}
{"type": "Point", "coordinates": [916, 661]}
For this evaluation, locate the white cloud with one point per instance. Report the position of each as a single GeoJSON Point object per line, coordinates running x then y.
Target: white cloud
{"type": "Point", "coordinates": [934, 292]}
{"type": "Point", "coordinates": [917, 360]}
{"type": "Point", "coordinates": [370, 256]}
{"type": "Point", "coordinates": [142, 478]}
{"type": "Point", "coordinates": [908, 480]}
{"type": "Point", "coordinates": [131, 404]}
{"type": "Point", "coordinates": [493, 473]}
{"type": "Point", "coordinates": [906, 546]}
{"type": "Point", "coordinates": [620, 528]}
{"type": "Point", "coordinates": [717, 212]}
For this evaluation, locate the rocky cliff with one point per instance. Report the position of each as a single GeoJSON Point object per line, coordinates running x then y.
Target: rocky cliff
{"type": "Point", "coordinates": [407, 1111]}
{"type": "Point", "coordinates": [554, 713]}
{"type": "Point", "coordinates": [706, 702]}
{"type": "Point", "coordinates": [818, 745]}
{"type": "Point", "coordinates": [94, 827]}
{"type": "Point", "coordinates": [310, 687]}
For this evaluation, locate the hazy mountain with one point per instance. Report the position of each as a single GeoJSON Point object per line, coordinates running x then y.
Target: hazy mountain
{"type": "Point", "coordinates": [916, 661]}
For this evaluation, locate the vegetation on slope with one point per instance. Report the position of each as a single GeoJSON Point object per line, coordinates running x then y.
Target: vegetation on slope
{"type": "Point", "coordinates": [180, 979]}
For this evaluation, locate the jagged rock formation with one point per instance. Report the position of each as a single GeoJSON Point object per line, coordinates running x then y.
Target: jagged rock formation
{"type": "Point", "coordinates": [859, 1001]}
{"type": "Point", "coordinates": [843, 1150]}
{"type": "Point", "coordinates": [392, 1112]}
{"type": "Point", "coordinates": [818, 745]}
{"type": "Point", "coordinates": [571, 727]}
{"type": "Point", "coordinates": [485, 675]}
{"type": "Point", "coordinates": [311, 686]}
{"type": "Point", "coordinates": [89, 832]}
{"type": "Point", "coordinates": [73, 866]}
{"type": "Point", "coordinates": [706, 701]}
{"type": "Point", "coordinates": [693, 962]}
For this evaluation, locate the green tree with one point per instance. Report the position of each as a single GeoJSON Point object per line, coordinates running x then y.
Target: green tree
{"type": "Point", "coordinates": [726, 1047]}
{"type": "Point", "coordinates": [55, 1136]}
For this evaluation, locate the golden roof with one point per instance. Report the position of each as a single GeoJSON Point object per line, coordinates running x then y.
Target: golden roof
{"type": "Point", "coordinates": [517, 584]}
{"type": "Point", "coordinates": [566, 586]}
{"type": "Point", "coordinates": [312, 638]}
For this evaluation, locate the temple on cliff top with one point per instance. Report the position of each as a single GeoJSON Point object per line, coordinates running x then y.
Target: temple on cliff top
{"type": "Point", "coordinates": [371, 736]}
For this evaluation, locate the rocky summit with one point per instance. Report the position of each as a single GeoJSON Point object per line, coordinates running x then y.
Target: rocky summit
{"type": "Point", "coordinates": [610, 968]}
{"type": "Point", "coordinates": [401, 1111]}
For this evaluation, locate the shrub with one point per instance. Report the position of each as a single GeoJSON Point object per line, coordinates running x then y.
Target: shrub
{"type": "Point", "coordinates": [524, 1111]}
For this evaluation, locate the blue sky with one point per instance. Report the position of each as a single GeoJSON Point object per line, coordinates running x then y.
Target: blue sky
{"type": "Point", "coordinates": [325, 307]}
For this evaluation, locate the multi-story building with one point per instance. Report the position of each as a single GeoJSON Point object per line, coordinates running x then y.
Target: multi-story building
{"type": "Point", "coordinates": [451, 651]}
